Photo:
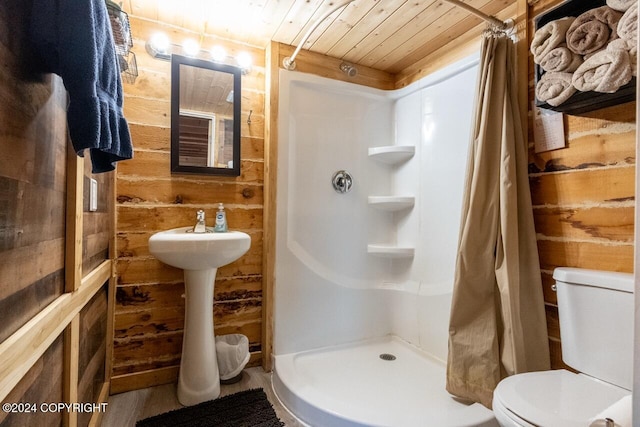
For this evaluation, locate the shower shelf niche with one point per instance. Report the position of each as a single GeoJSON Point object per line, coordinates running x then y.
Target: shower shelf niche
{"type": "Point", "coordinates": [390, 251]}
{"type": "Point", "coordinates": [391, 203]}
{"type": "Point", "coordinates": [392, 154]}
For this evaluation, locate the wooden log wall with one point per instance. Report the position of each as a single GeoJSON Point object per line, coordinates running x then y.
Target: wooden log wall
{"type": "Point", "coordinates": [149, 313]}
{"type": "Point", "coordinates": [583, 195]}
{"type": "Point", "coordinates": [54, 256]}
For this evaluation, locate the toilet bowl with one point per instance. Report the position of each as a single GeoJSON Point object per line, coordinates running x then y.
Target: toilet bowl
{"type": "Point", "coordinates": [596, 318]}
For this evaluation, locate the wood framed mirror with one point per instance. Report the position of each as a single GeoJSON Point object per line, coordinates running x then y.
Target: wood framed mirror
{"type": "Point", "coordinates": [205, 117]}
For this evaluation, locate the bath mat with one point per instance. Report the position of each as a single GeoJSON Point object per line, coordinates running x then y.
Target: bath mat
{"type": "Point", "coordinates": [244, 409]}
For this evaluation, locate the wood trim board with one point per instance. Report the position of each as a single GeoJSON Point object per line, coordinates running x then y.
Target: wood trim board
{"type": "Point", "coordinates": [70, 380]}
{"type": "Point", "coordinates": [75, 186]}
{"type": "Point", "coordinates": [272, 68]}
{"type": "Point", "coordinates": [96, 418]}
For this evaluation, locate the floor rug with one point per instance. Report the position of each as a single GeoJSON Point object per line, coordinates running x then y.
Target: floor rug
{"type": "Point", "coordinates": [244, 409]}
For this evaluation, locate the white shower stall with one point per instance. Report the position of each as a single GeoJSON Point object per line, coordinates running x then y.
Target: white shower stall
{"type": "Point", "coordinates": [364, 278]}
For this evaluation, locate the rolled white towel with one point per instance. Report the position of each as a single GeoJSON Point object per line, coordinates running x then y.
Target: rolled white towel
{"type": "Point", "coordinates": [554, 88]}
{"type": "Point", "coordinates": [619, 412]}
{"type": "Point", "coordinates": [605, 72]}
{"type": "Point", "coordinates": [593, 29]}
{"type": "Point", "coordinates": [629, 46]}
{"type": "Point", "coordinates": [549, 36]}
{"type": "Point", "coordinates": [621, 5]}
{"type": "Point", "coordinates": [628, 24]}
{"type": "Point", "coordinates": [561, 59]}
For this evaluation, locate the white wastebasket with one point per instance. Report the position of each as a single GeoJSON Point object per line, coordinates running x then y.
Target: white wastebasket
{"type": "Point", "coordinates": [233, 355]}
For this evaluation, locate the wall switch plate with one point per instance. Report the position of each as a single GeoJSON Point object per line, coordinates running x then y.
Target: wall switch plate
{"type": "Point", "coordinates": [93, 195]}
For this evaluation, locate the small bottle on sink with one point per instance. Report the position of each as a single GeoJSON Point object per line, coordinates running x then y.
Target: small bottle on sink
{"type": "Point", "coordinates": [221, 220]}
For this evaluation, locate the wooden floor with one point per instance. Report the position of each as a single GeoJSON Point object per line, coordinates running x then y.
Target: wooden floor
{"type": "Point", "coordinates": [126, 408]}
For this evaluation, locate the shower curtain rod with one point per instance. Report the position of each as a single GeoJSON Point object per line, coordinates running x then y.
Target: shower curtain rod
{"type": "Point", "coordinates": [289, 62]}
{"type": "Point", "coordinates": [502, 25]}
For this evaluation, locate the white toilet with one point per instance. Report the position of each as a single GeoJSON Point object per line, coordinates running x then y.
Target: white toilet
{"type": "Point", "coordinates": [596, 324]}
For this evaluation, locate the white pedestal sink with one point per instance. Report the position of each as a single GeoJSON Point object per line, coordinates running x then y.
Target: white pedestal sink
{"type": "Point", "coordinates": [199, 255]}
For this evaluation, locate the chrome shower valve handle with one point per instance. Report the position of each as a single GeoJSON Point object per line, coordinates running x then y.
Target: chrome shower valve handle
{"type": "Point", "coordinates": [342, 181]}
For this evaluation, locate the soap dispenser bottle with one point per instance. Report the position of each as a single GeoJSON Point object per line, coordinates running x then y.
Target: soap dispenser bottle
{"type": "Point", "coordinates": [221, 220]}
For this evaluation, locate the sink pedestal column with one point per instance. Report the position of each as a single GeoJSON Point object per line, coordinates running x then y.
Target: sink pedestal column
{"type": "Point", "coordinates": [199, 379]}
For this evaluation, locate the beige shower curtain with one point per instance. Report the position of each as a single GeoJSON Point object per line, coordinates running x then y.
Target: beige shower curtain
{"type": "Point", "coordinates": [497, 325]}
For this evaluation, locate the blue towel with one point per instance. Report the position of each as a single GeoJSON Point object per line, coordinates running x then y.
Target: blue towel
{"type": "Point", "coordinates": [73, 39]}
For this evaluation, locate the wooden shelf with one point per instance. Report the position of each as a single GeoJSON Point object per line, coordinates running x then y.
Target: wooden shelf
{"type": "Point", "coordinates": [391, 203]}
{"type": "Point", "coordinates": [392, 154]}
{"type": "Point", "coordinates": [390, 251]}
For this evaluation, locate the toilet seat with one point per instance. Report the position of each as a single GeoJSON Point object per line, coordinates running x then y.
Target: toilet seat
{"type": "Point", "coordinates": [507, 418]}
{"type": "Point", "coordinates": [554, 398]}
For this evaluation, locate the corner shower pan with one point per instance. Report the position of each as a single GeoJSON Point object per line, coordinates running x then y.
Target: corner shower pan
{"type": "Point", "coordinates": [360, 384]}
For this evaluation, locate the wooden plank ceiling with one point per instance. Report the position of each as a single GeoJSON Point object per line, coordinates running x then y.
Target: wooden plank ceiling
{"type": "Point", "coordinates": [388, 35]}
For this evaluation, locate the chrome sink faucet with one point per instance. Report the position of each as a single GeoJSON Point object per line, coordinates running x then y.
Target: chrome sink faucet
{"type": "Point", "coordinates": [200, 226]}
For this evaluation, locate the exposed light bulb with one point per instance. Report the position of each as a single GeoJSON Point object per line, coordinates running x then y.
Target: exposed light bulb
{"type": "Point", "coordinates": [244, 61]}
{"type": "Point", "coordinates": [159, 42]}
{"type": "Point", "coordinates": [218, 53]}
{"type": "Point", "coordinates": [190, 47]}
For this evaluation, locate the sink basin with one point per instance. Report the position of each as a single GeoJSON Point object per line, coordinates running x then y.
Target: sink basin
{"type": "Point", "coordinates": [198, 251]}
{"type": "Point", "coordinates": [199, 255]}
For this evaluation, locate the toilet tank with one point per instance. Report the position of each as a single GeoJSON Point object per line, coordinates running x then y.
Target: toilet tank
{"type": "Point", "coordinates": [596, 323]}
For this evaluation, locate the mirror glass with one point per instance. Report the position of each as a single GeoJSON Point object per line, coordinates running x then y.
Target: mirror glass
{"type": "Point", "coordinates": [205, 117]}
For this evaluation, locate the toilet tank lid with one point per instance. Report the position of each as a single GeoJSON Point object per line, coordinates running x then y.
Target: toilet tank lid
{"type": "Point", "coordinates": [601, 279]}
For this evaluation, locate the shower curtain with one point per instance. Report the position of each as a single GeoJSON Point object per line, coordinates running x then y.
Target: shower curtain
{"type": "Point", "coordinates": [497, 325]}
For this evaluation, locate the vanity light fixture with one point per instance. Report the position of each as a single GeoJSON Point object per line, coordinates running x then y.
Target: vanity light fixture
{"type": "Point", "coordinates": [160, 47]}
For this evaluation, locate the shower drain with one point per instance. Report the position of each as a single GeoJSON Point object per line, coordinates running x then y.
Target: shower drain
{"type": "Point", "coordinates": [387, 356]}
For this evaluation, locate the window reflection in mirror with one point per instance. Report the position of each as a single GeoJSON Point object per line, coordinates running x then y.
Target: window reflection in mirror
{"type": "Point", "coordinates": [205, 117]}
